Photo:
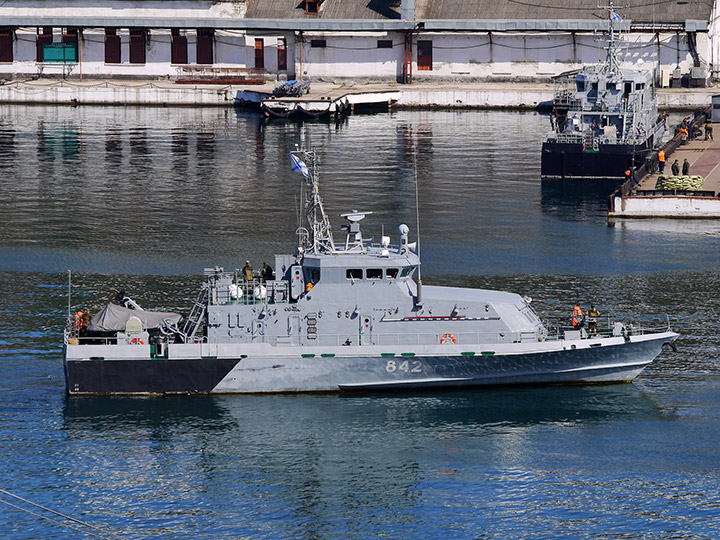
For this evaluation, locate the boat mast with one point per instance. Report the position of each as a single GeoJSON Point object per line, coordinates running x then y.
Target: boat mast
{"type": "Point", "coordinates": [417, 224]}
{"type": "Point", "coordinates": [612, 62]}
{"type": "Point", "coordinates": [319, 240]}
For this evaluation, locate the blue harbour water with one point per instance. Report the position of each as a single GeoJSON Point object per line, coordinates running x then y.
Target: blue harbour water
{"type": "Point", "coordinates": [145, 198]}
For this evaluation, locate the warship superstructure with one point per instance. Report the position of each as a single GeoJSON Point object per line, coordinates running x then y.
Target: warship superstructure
{"type": "Point", "coordinates": [340, 316]}
{"type": "Point", "coordinates": [604, 118]}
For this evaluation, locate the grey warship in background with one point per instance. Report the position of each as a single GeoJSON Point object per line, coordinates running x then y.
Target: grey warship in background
{"type": "Point", "coordinates": [341, 317]}
{"type": "Point", "coordinates": [604, 119]}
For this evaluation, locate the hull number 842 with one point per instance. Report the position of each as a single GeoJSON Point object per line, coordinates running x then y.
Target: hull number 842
{"type": "Point", "coordinates": [407, 366]}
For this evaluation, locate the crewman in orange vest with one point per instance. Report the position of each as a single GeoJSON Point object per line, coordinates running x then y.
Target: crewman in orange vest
{"type": "Point", "coordinates": [661, 160]}
{"type": "Point", "coordinates": [577, 316]}
{"type": "Point", "coordinates": [78, 321]}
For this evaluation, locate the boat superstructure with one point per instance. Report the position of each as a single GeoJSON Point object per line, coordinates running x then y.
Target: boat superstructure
{"type": "Point", "coordinates": [604, 118]}
{"type": "Point", "coordinates": [341, 316]}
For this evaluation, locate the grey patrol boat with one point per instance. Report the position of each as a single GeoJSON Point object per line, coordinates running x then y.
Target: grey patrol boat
{"type": "Point", "coordinates": [604, 117]}
{"type": "Point", "coordinates": [341, 317]}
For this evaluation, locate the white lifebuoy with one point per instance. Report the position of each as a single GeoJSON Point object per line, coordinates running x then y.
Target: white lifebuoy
{"type": "Point", "coordinates": [137, 341]}
{"type": "Point", "coordinates": [448, 339]}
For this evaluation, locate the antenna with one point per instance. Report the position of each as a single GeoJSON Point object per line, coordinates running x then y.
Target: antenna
{"type": "Point", "coordinates": [69, 289]}
{"type": "Point", "coordinates": [319, 239]}
{"type": "Point", "coordinates": [417, 225]}
{"type": "Point", "coordinates": [612, 62]}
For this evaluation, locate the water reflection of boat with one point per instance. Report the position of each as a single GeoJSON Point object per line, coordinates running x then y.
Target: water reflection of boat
{"type": "Point", "coordinates": [709, 227]}
{"type": "Point", "coordinates": [579, 200]}
{"type": "Point", "coordinates": [323, 415]}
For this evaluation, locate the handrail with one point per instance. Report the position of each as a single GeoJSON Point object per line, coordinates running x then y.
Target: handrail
{"type": "Point", "coordinates": [651, 163]}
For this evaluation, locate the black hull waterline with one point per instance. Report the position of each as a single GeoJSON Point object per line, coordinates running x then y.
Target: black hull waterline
{"type": "Point", "coordinates": [609, 162]}
{"type": "Point", "coordinates": [584, 361]}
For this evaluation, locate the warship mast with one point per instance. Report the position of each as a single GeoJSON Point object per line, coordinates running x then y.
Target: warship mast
{"type": "Point", "coordinates": [318, 239]}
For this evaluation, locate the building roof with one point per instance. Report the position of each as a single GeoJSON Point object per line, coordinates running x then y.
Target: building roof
{"type": "Point", "coordinates": [645, 11]}
{"type": "Point", "coordinates": [385, 15]}
{"type": "Point", "coordinates": [653, 11]}
{"type": "Point", "coordinates": [329, 9]}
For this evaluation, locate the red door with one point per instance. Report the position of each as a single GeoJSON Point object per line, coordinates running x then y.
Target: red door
{"type": "Point", "coordinates": [137, 46]}
{"type": "Point", "coordinates": [112, 46]}
{"type": "Point", "coordinates": [6, 45]}
{"type": "Point", "coordinates": [45, 35]}
{"type": "Point", "coordinates": [424, 55]}
{"type": "Point", "coordinates": [259, 53]}
{"type": "Point", "coordinates": [204, 46]}
{"type": "Point", "coordinates": [178, 48]}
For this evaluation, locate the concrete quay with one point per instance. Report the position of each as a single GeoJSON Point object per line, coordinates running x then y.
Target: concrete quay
{"type": "Point", "coordinates": [479, 95]}
{"type": "Point", "coordinates": [644, 201]}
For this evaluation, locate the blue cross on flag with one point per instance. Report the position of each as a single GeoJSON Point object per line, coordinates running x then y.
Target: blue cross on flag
{"type": "Point", "coordinates": [298, 165]}
{"type": "Point", "coordinates": [614, 16]}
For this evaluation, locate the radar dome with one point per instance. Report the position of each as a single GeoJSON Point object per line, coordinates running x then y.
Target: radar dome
{"type": "Point", "coordinates": [403, 229]}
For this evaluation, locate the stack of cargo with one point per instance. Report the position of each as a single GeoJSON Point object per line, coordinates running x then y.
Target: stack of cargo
{"type": "Point", "coordinates": [680, 183]}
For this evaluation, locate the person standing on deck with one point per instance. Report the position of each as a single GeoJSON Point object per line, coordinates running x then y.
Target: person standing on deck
{"type": "Point", "coordinates": [78, 321]}
{"type": "Point", "coordinates": [247, 271]}
{"type": "Point", "coordinates": [676, 168]}
{"type": "Point", "coordinates": [661, 160]}
{"type": "Point", "coordinates": [267, 272]}
{"type": "Point", "coordinates": [708, 131]}
{"type": "Point", "coordinates": [686, 167]}
{"type": "Point", "coordinates": [577, 316]}
{"type": "Point", "coordinates": [593, 313]}
{"type": "Point", "coordinates": [86, 318]}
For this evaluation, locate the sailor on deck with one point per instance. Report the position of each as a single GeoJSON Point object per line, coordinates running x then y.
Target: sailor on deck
{"type": "Point", "coordinates": [247, 271]}
{"type": "Point", "coordinates": [267, 272]}
{"type": "Point", "coordinates": [593, 313]}
{"type": "Point", "coordinates": [577, 316]}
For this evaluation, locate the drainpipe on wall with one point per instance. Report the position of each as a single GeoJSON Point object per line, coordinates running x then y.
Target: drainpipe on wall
{"type": "Point", "coordinates": [79, 53]}
{"type": "Point", "coordinates": [692, 46]}
{"type": "Point", "coordinates": [407, 13]}
{"type": "Point", "coordinates": [407, 10]}
{"type": "Point", "coordinates": [299, 42]}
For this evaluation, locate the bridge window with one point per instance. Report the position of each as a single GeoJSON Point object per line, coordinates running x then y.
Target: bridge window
{"type": "Point", "coordinates": [391, 273]}
{"type": "Point", "coordinates": [374, 273]}
{"type": "Point", "coordinates": [354, 273]}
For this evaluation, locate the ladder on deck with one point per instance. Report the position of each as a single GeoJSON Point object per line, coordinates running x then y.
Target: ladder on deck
{"type": "Point", "coordinates": [192, 323]}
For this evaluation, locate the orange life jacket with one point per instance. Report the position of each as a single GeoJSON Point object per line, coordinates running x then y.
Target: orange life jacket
{"type": "Point", "coordinates": [661, 156]}
{"type": "Point", "coordinates": [577, 312]}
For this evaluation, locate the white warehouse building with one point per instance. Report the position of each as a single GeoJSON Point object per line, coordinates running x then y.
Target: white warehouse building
{"type": "Point", "coordinates": [378, 40]}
